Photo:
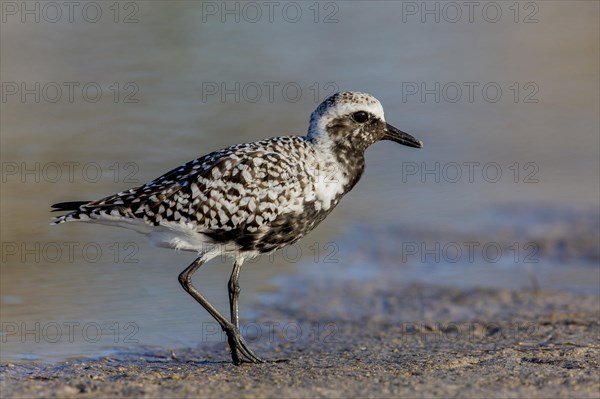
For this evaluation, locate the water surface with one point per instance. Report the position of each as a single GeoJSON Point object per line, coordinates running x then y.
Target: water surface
{"type": "Point", "coordinates": [535, 141]}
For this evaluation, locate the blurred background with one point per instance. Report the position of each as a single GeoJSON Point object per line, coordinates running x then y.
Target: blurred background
{"type": "Point", "coordinates": [98, 97]}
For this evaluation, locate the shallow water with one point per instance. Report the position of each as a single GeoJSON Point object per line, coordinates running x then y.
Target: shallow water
{"type": "Point", "coordinates": [180, 82]}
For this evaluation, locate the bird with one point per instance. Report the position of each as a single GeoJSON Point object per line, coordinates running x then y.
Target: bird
{"type": "Point", "coordinates": [249, 199]}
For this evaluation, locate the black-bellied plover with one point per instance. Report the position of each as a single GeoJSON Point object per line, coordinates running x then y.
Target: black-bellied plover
{"type": "Point", "coordinates": [250, 198]}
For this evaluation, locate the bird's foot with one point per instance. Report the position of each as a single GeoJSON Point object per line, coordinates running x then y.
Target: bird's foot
{"type": "Point", "coordinates": [240, 352]}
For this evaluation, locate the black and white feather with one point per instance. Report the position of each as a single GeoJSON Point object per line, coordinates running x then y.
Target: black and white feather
{"type": "Point", "coordinates": [254, 197]}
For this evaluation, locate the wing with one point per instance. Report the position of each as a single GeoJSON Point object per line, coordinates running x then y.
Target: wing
{"type": "Point", "coordinates": [253, 195]}
{"type": "Point", "coordinates": [130, 204]}
{"type": "Point", "coordinates": [239, 192]}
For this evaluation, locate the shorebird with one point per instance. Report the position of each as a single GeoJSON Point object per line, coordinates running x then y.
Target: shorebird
{"type": "Point", "coordinates": [250, 198]}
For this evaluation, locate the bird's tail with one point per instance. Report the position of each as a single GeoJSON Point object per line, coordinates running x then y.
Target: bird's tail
{"type": "Point", "coordinates": [74, 206]}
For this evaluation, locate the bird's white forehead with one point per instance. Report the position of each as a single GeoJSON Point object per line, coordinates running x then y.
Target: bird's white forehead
{"type": "Point", "coordinates": [348, 102]}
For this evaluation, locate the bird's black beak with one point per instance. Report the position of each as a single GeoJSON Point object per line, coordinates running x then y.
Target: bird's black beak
{"type": "Point", "coordinates": [397, 135]}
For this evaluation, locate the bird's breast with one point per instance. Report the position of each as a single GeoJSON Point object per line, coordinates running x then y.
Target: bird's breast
{"type": "Point", "coordinates": [330, 185]}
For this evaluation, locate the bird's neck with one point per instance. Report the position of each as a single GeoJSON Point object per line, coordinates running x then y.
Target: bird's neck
{"type": "Point", "coordinates": [339, 162]}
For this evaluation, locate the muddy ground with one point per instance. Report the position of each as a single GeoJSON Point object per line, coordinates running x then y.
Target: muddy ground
{"type": "Point", "coordinates": [414, 341]}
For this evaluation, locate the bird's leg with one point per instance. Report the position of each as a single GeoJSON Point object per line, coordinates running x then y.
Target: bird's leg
{"type": "Point", "coordinates": [234, 295]}
{"type": "Point", "coordinates": [235, 339]}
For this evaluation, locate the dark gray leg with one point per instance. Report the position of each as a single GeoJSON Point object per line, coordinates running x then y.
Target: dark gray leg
{"type": "Point", "coordinates": [236, 341]}
{"type": "Point", "coordinates": [234, 295]}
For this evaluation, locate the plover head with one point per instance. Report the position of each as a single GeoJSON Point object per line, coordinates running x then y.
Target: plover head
{"type": "Point", "coordinates": [354, 120]}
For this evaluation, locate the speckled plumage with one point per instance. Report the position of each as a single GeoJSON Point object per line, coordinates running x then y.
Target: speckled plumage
{"type": "Point", "coordinates": [251, 198]}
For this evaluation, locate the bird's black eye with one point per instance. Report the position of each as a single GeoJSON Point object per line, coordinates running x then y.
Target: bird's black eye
{"type": "Point", "coordinates": [360, 116]}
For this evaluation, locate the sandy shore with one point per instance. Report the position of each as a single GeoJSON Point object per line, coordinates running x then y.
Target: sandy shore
{"type": "Point", "coordinates": [416, 341]}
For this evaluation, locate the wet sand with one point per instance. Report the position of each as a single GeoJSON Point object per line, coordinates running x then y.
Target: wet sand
{"type": "Point", "coordinates": [414, 341]}
{"type": "Point", "coordinates": [365, 328]}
